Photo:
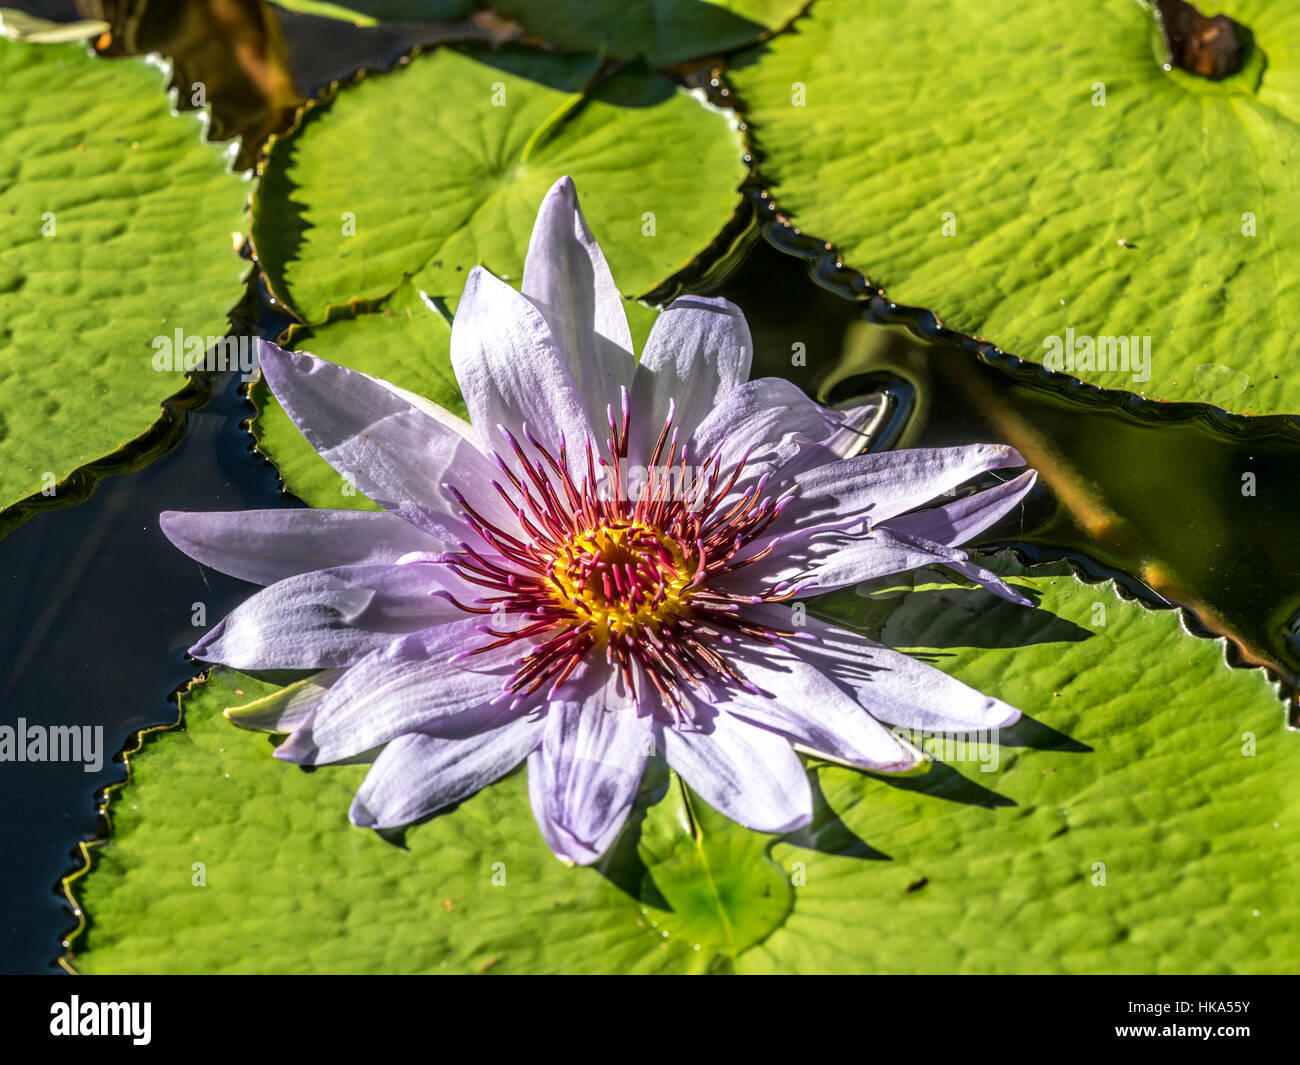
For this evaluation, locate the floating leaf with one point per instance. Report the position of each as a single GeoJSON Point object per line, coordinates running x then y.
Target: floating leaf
{"type": "Point", "coordinates": [1147, 820]}
{"type": "Point", "coordinates": [663, 31]}
{"type": "Point", "coordinates": [284, 884]}
{"type": "Point", "coordinates": [425, 171]}
{"type": "Point", "coordinates": [115, 230]}
{"type": "Point", "coordinates": [1052, 177]}
{"type": "Point", "coordinates": [708, 881]}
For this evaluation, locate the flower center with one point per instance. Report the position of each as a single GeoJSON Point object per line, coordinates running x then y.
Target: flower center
{"type": "Point", "coordinates": [622, 576]}
{"type": "Point", "coordinates": [631, 581]}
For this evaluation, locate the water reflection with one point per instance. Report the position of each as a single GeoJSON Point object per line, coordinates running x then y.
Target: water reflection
{"type": "Point", "coordinates": [1192, 507]}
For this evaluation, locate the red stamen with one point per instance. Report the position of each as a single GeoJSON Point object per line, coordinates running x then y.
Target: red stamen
{"type": "Point", "coordinates": [634, 578]}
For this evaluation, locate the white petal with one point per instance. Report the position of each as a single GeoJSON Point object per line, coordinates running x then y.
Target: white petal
{"type": "Point", "coordinates": [511, 370]}
{"type": "Point", "coordinates": [568, 280]}
{"type": "Point", "coordinates": [393, 452]}
{"type": "Point", "coordinates": [410, 685]}
{"type": "Point", "coordinates": [417, 775]}
{"type": "Point", "coordinates": [699, 350]}
{"type": "Point", "coordinates": [329, 618]}
{"type": "Point", "coordinates": [895, 687]}
{"type": "Point", "coordinates": [772, 426]}
{"type": "Point", "coordinates": [958, 521]}
{"type": "Point", "coordinates": [827, 559]}
{"type": "Point", "coordinates": [799, 699]}
{"type": "Point", "coordinates": [265, 546]}
{"type": "Point", "coordinates": [882, 485]}
{"type": "Point", "coordinates": [747, 773]}
{"type": "Point", "coordinates": [584, 776]}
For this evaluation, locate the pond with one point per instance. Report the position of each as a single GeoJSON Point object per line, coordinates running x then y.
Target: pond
{"type": "Point", "coordinates": [869, 229]}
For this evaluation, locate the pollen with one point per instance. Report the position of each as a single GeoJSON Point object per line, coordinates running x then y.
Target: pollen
{"type": "Point", "coordinates": [623, 577]}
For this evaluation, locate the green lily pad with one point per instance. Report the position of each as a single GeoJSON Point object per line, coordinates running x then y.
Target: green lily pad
{"type": "Point", "coordinates": [1150, 824]}
{"type": "Point", "coordinates": [1138, 762]}
{"type": "Point", "coordinates": [704, 881]}
{"type": "Point", "coordinates": [425, 171]}
{"type": "Point", "coordinates": [284, 884]}
{"type": "Point", "coordinates": [1052, 177]}
{"type": "Point", "coordinates": [663, 31]}
{"type": "Point", "coordinates": [115, 229]}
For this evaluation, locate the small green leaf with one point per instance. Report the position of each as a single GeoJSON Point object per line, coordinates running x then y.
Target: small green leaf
{"type": "Point", "coordinates": [714, 883]}
{"type": "Point", "coordinates": [448, 159]}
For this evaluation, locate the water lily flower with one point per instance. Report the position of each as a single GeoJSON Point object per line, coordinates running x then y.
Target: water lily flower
{"type": "Point", "coordinates": [604, 562]}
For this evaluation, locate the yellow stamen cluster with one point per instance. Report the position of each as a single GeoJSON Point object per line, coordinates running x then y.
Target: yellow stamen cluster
{"type": "Point", "coordinates": [622, 577]}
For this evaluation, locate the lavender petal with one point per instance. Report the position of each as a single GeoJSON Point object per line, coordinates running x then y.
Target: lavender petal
{"type": "Point", "coordinates": [584, 776]}
{"type": "Point", "coordinates": [747, 773]}
{"type": "Point", "coordinates": [392, 450]}
{"type": "Point", "coordinates": [417, 774]}
{"type": "Point", "coordinates": [567, 279]}
{"type": "Point", "coordinates": [409, 685]}
{"type": "Point", "coordinates": [699, 351]}
{"type": "Point", "coordinates": [329, 618]}
{"type": "Point", "coordinates": [265, 546]}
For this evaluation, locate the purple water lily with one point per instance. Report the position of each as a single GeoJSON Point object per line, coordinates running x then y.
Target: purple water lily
{"type": "Point", "coordinates": [604, 562]}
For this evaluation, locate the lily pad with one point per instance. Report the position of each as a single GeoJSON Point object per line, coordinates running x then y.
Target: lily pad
{"type": "Point", "coordinates": [115, 230]}
{"type": "Point", "coordinates": [285, 884]}
{"type": "Point", "coordinates": [1146, 820]}
{"type": "Point", "coordinates": [1052, 177]}
{"type": "Point", "coordinates": [1146, 756]}
{"type": "Point", "coordinates": [439, 165]}
{"type": "Point", "coordinates": [663, 31]}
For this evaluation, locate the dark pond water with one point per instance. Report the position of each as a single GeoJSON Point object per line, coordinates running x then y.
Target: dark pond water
{"type": "Point", "coordinates": [99, 608]}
